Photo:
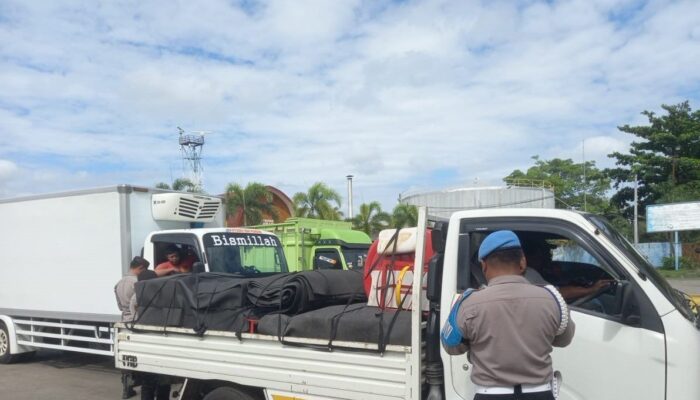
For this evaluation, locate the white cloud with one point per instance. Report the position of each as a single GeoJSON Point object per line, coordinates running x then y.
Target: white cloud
{"type": "Point", "coordinates": [297, 92]}
{"type": "Point", "coordinates": [7, 170]}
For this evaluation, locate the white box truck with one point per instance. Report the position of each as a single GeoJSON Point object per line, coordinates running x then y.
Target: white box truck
{"type": "Point", "coordinates": [637, 339]}
{"type": "Point", "coordinates": [63, 253]}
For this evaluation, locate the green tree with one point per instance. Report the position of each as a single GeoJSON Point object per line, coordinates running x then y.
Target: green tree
{"type": "Point", "coordinates": [404, 215]}
{"type": "Point", "coordinates": [320, 201]}
{"type": "Point", "coordinates": [184, 185]}
{"type": "Point", "coordinates": [566, 177]}
{"type": "Point", "coordinates": [254, 200]}
{"type": "Point", "coordinates": [371, 219]}
{"type": "Point", "coordinates": [665, 160]}
{"type": "Point", "coordinates": [179, 184]}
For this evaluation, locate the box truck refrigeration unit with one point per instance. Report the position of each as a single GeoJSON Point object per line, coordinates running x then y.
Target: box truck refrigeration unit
{"type": "Point", "coordinates": [63, 253]}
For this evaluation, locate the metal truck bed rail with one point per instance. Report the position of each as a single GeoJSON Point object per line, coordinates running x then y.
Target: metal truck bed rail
{"type": "Point", "coordinates": [262, 361]}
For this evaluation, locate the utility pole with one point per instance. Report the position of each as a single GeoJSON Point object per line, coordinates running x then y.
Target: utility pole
{"type": "Point", "coordinates": [583, 155]}
{"type": "Point", "coordinates": [349, 177]}
{"type": "Point", "coordinates": [636, 202]}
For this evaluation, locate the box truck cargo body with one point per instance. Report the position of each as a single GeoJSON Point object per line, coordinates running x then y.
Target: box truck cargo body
{"type": "Point", "coordinates": [63, 253]}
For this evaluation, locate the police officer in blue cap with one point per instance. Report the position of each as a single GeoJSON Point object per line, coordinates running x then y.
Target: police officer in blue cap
{"type": "Point", "coordinates": [509, 327]}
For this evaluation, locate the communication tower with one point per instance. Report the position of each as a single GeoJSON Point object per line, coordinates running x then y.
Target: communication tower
{"type": "Point", "coordinates": [191, 149]}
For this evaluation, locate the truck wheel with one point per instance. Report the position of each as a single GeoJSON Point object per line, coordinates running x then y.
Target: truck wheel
{"type": "Point", "coordinates": [5, 356]}
{"type": "Point", "coordinates": [228, 393]}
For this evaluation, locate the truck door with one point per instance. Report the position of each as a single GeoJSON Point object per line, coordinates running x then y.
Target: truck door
{"type": "Point", "coordinates": [618, 350]}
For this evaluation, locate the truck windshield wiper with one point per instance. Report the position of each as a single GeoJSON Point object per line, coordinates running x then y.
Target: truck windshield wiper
{"type": "Point", "coordinates": [688, 304]}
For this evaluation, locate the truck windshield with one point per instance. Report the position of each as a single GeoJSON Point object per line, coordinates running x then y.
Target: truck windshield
{"type": "Point", "coordinates": [677, 298]}
{"type": "Point", "coordinates": [244, 253]}
{"type": "Point", "coordinates": [355, 257]}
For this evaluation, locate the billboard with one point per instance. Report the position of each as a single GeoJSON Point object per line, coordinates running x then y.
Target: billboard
{"type": "Point", "coordinates": [673, 217]}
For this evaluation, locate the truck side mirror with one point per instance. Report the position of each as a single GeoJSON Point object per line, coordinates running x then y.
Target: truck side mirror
{"type": "Point", "coordinates": [198, 267]}
{"type": "Point", "coordinates": [439, 237]}
{"type": "Point", "coordinates": [434, 286]}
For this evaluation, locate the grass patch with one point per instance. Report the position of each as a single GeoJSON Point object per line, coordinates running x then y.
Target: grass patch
{"type": "Point", "coordinates": [682, 273]}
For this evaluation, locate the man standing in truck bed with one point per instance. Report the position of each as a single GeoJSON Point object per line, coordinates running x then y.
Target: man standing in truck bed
{"type": "Point", "coordinates": [509, 327]}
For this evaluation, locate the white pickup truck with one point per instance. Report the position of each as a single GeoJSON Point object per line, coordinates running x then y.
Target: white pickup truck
{"type": "Point", "coordinates": [637, 339]}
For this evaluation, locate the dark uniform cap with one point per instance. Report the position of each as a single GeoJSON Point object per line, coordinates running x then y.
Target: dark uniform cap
{"type": "Point", "coordinates": [497, 241]}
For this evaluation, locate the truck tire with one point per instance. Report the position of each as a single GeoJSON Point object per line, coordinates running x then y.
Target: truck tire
{"type": "Point", "coordinates": [228, 393]}
{"type": "Point", "coordinates": [5, 356]}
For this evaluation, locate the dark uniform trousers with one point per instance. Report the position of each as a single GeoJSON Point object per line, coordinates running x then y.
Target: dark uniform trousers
{"type": "Point", "coordinates": [152, 388]}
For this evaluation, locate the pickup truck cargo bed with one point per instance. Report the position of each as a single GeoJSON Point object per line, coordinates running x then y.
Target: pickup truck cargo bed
{"type": "Point", "coordinates": [262, 361]}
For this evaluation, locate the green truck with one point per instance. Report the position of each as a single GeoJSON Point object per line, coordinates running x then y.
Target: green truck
{"type": "Point", "coordinates": [320, 244]}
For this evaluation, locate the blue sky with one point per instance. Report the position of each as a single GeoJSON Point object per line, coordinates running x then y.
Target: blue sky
{"type": "Point", "coordinates": [404, 95]}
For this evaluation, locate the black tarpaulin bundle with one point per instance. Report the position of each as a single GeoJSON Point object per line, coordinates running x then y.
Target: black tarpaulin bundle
{"type": "Point", "coordinates": [351, 323]}
{"type": "Point", "coordinates": [308, 290]}
{"type": "Point", "coordinates": [216, 301]}
{"type": "Point", "coordinates": [202, 301]}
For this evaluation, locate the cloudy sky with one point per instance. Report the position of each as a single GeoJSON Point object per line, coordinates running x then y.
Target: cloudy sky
{"type": "Point", "coordinates": [405, 95]}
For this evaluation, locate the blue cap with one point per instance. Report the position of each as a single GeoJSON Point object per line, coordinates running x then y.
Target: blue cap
{"type": "Point", "coordinates": [499, 240]}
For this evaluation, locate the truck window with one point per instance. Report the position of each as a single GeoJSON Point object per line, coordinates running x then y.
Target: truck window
{"type": "Point", "coordinates": [185, 243]}
{"type": "Point", "coordinates": [244, 253]}
{"type": "Point", "coordinates": [355, 257]}
{"type": "Point", "coordinates": [563, 260]}
{"type": "Point", "coordinates": [327, 259]}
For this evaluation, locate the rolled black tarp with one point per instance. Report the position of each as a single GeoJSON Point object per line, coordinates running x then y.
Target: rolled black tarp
{"type": "Point", "coordinates": [217, 301]}
{"type": "Point", "coordinates": [308, 290]}
{"type": "Point", "coordinates": [352, 323]}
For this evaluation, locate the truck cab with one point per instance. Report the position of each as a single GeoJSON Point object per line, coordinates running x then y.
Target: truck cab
{"type": "Point", "coordinates": [319, 244]}
{"type": "Point", "coordinates": [636, 338]}
{"type": "Point", "coordinates": [226, 250]}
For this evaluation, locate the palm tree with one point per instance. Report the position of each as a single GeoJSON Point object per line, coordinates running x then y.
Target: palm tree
{"type": "Point", "coordinates": [320, 202]}
{"type": "Point", "coordinates": [371, 219]}
{"type": "Point", "coordinates": [404, 215]}
{"type": "Point", "coordinates": [254, 200]}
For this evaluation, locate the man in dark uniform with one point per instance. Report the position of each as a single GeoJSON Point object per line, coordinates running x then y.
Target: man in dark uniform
{"type": "Point", "coordinates": [509, 327]}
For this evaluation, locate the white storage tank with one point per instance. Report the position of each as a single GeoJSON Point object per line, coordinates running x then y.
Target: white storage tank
{"type": "Point", "coordinates": [442, 203]}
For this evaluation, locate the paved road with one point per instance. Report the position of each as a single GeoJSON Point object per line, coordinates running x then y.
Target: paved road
{"type": "Point", "coordinates": [690, 286]}
{"type": "Point", "coordinates": [59, 376]}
